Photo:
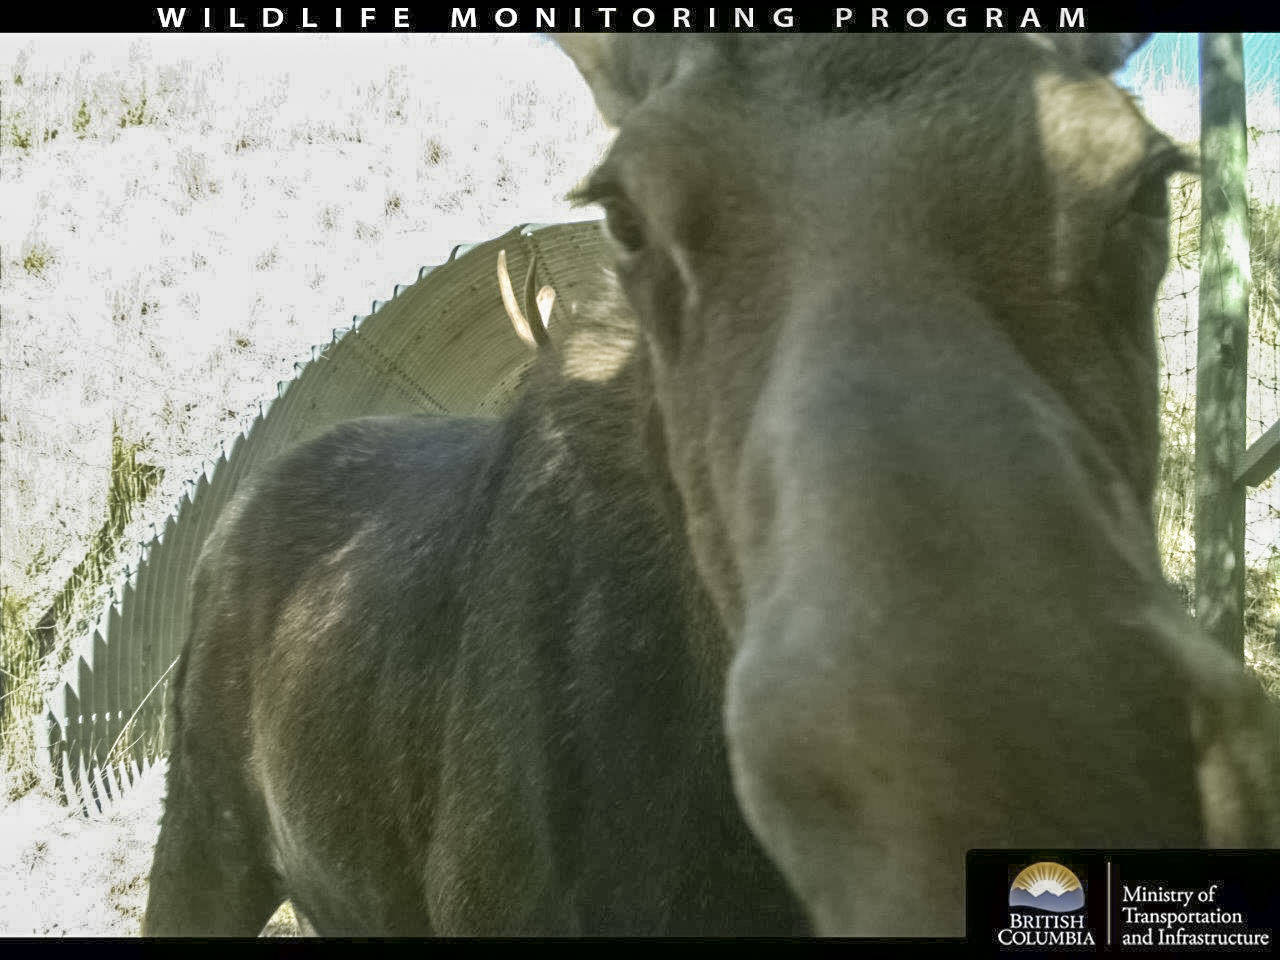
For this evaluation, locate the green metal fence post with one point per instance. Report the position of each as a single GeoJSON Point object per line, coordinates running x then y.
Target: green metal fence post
{"type": "Point", "coordinates": [1222, 347]}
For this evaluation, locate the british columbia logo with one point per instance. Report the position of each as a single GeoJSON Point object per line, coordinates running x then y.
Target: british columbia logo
{"type": "Point", "coordinates": [1047, 886]}
{"type": "Point", "coordinates": [1046, 909]}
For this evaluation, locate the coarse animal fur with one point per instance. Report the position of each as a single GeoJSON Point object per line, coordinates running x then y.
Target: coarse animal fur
{"type": "Point", "coordinates": [824, 558]}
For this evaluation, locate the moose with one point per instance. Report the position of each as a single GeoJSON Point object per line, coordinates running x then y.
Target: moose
{"type": "Point", "coordinates": [819, 554]}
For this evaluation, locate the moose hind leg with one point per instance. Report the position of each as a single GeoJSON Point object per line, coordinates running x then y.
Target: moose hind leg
{"type": "Point", "coordinates": [210, 875]}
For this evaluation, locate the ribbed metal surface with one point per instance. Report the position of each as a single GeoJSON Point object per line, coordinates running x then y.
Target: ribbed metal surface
{"type": "Point", "coordinates": [442, 344]}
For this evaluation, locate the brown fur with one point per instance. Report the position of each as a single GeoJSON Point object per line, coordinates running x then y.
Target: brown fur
{"type": "Point", "coordinates": [833, 550]}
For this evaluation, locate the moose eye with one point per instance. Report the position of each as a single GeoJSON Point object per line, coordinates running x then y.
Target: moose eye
{"type": "Point", "coordinates": [1151, 198]}
{"type": "Point", "coordinates": [624, 225]}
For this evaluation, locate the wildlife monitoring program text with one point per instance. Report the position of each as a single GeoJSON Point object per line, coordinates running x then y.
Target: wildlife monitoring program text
{"type": "Point", "coordinates": [624, 18]}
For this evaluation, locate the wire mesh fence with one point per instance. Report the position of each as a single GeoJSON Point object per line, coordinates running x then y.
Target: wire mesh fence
{"type": "Point", "coordinates": [1177, 316]}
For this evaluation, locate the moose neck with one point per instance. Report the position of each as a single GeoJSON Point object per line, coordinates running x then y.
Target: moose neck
{"type": "Point", "coordinates": [587, 425]}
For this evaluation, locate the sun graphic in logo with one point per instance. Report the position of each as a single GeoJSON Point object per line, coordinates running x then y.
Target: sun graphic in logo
{"type": "Point", "coordinates": [1047, 886]}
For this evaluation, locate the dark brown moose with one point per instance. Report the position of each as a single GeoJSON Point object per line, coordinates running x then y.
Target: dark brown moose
{"type": "Point", "coordinates": [822, 555]}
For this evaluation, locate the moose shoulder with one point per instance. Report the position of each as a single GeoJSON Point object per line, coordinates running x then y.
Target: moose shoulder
{"type": "Point", "coordinates": [819, 557]}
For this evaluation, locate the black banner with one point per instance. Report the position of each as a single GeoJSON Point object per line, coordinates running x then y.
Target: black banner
{"type": "Point", "coordinates": [638, 17]}
{"type": "Point", "coordinates": [1127, 902]}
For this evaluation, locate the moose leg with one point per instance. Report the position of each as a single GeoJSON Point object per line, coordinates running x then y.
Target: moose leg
{"type": "Point", "coordinates": [209, 876]}
{"type": "Point", "coordinates": [305, 927]}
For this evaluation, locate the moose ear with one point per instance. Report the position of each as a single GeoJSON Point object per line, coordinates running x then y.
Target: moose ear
{"type": "Point", "coordinates": [1105, 52]}
{"type": "Point", "coordinates": [600, 60]}
{"type": "Point", "coordinates": [620, 70]}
